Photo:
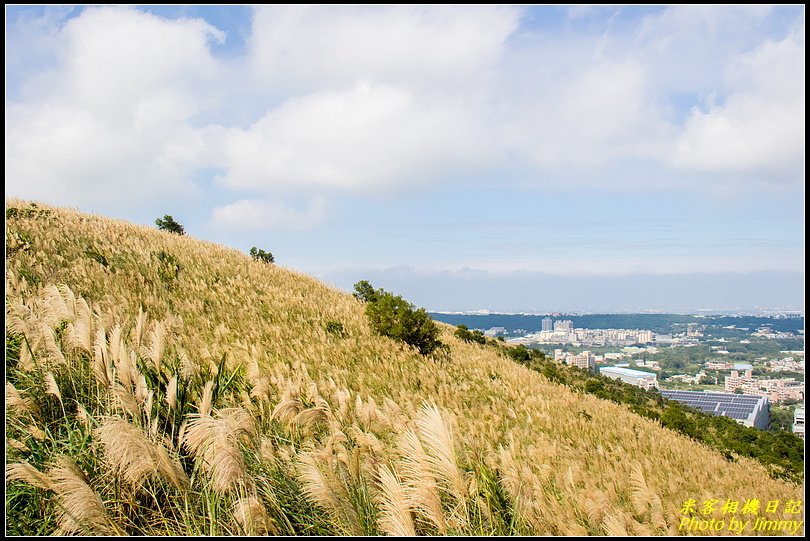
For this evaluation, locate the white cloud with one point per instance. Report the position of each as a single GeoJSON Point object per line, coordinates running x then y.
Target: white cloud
{"type": "Point", "coordinates": [111, 120]}
{"type": "Point", "coordinates": [760, 126]}
{"type": "Point", "coordinates": [373, 99]}
{"type": "Point", "coordinates": [599, 113]}
{"type": "Point", "coordinates": [685, 49]}
{"type": "Point", "coordinates": [304, 48]}
{"type": "Point", "coordinates": [371, 137]}
{"type": "Point", "coordinates": [260, 215]}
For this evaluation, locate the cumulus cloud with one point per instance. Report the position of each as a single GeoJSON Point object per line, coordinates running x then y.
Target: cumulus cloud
{"type": "Point", "coordinates": [760, 126]}
{"type": "Point", "coordinates": [124, 106]}
{"type": "Point", "coordinates": [111, 120]}
{"type": "Point", "coordinates": [594, 114]}
{"type": "Point", "coordinates": [370, 137]}
{"type": "Point", "coordinates": [305, 48]}
{"type": "Point", "coordinates": [260, 215]}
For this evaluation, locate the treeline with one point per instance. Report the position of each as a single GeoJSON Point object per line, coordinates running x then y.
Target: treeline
{"type": "Point", "coordinates": [781, 452]}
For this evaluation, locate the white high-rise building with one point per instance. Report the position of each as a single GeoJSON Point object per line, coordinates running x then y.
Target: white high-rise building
{"type": "Point", "coordinates": [565, 325]}
{"type": "Point", "coordinates": [547, 324]}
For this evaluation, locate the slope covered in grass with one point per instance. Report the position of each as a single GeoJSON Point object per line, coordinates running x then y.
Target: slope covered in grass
{"type": "Point", "coordinates": [158, 384]}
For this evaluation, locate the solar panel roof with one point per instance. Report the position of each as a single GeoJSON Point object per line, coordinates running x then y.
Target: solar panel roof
{"type": "Point", "coordinates": [731, 405]}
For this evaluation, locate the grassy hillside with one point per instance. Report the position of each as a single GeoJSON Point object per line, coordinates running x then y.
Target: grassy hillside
{"type": "Point", "coordinates": [158, 384]}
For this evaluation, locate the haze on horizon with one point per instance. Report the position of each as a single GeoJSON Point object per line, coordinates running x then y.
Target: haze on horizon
{"type": "Point", "coordinates": [526, 158]}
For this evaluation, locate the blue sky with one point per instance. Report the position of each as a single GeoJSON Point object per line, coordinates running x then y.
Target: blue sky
{"type": "Point", "coordinates": [509, 158]}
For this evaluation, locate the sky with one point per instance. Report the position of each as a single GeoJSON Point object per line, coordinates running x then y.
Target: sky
{"type": "Point", "coordinates": [510, 158]}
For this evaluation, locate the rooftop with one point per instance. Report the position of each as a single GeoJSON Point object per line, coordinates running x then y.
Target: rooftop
{"type": "Point", "coordinates": [626, 371]}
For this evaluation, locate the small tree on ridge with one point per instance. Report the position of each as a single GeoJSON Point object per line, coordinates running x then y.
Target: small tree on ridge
{"type": "Point", "coordinates": [167, 223]}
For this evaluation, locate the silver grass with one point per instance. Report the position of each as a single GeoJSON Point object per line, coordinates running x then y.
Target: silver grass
{"type": "Point", "coordinates": [15, 400]}
{"type": "Point", "coordinates": [311, 416]}
{"type": "Point", "coordinates": [440, 449]}
{"type": "Point", "coordinates": [36, 432]}
{"type": "Point", "coordinates": [16, 444]}
{"type": "Point", "coordinates": [395, 517]}
{"type": "Point", "coordinates": [614, 525]}
{"type": "Point", "coordinates": [421, 486]}
{"type": "Point", "coordinates": [640, 492]}
{"type": "Point", "coordinates": [80, 334]}
{"type": "Point", "coordinates": [126, 400]}
{"type": "Point", "coordinates": [53, 349]}
{"type": "Point", "coordinates": [101, 367]}
{"type": "Point", "coordinates": [215, 441]}
{"type": "Point", "coordinates": [252, 516]}
{"type": "Point", "coordinates": [51, 387]}
{"type": "Point", "coordinates": [207, 398]}
{"type": "Point", "coordinates": [79, 510]}
{"type": "Point", "coordinates": [157, 343]}
{"type": "Point", "coordinates": [23, 471]}
{"type": "Point", "coordinates": [117, 348]}
{"type": "Point", "coordinates": [136, 335]}
{"type": "Point", "coordinates": [134, 457]}
{"type": "Point", "coordinates": [171, 392]}
{"type": "Point", "coordinates": [287, 409]}
{"type": "Point", "coordinates": [322, 488]}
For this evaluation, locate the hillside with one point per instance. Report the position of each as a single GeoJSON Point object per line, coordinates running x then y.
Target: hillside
{"type": "Point", "coordinates": [158, 384]}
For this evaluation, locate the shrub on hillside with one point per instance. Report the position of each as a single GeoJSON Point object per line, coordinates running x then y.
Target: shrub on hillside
{"type": "Point", "coordinates": [260, 255]}
{"type": "Point", "coordinates": [467, 335]}
{"type": "Point", "coordinates": [391, 315]}
{"type": "Point", "coordinates": [167, 223]}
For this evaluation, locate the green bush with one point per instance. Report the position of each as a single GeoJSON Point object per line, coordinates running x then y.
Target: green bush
{"type": "Point", "coordinates": [335, 328]}
{"type": "Point", "coordinates": [168, 267]}
{"type": "Point", "coordinates": [467, 335]}
{"type": "Point", "coordinates": [391, 315]}
{"type": "Point", "coordinates": [167, 223]}
{"type": "Point", "coordinates": [261, 255]}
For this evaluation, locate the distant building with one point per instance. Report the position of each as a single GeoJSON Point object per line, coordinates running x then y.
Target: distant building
{"type": "Point", "coordinates": [584, 360]}
{"type": "Point", "coordinates": [495, 331]}
{"type": "Point", "coordinates": [694, 330]}
{"type": "Point", "coordinates": [645, 380]}
{"type": "Point", "coordinates": [735, 380]}
{"type": "Point", "coordinates": [718, 365]}
{"type": "Point", "coordinates": [564, 326]}
{"type": "Point", "coordinates": [664, 338]}
{"type": "Point", "coordinates": [547, 324]}
{"type": "Point", "coordinates": [752, 411]}
{"type": "Point", "coordinates": [798, 422]}
{"type": "Point", "coordinates": [652, 365]}
{"type": "Point", "coordinates": [777, 390]}
{"type": "Point", "coordinates": [645, 337]}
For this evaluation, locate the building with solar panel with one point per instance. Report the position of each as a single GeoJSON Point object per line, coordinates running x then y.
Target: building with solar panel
{"type": "Point", "coordinates": [747, 410]}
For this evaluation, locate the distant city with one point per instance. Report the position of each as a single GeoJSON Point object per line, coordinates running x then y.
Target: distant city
{"type": "Point", "coordinates": [737, 366]}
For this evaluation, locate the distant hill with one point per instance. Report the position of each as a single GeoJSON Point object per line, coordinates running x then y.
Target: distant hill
{"type": "Point", "coordinates": [164, 385]}
{"type": "Point", "coordinates": [660, 323]}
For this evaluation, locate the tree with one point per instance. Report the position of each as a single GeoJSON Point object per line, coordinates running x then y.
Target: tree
{"type": "Point", "coordinates": [391, 315]}
{"type": "Point", "coordinates": [167, 223]}
{"type": "Point", "coordinates": [364, 292]}
{"type": "Point", "coordinates": [261, 255]}
{"type": "Point", "coordinates": [467, 335]}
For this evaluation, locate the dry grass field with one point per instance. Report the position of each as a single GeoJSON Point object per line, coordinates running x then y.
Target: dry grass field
{"type": "Point", "coordinates": [161, 385]}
